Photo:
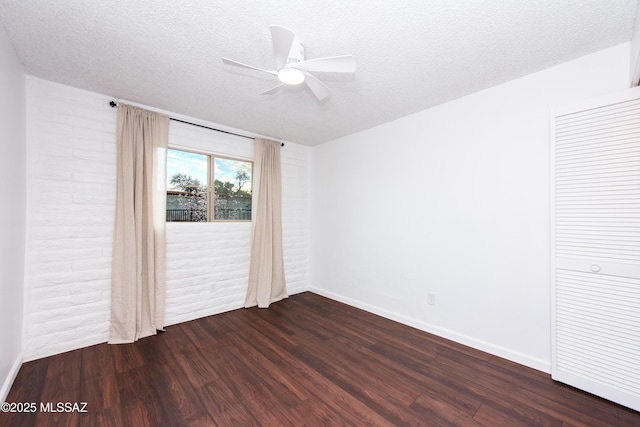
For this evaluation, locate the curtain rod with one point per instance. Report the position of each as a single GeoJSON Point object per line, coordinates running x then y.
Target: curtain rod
{"type": "Point", "coordinates": [114, 104]}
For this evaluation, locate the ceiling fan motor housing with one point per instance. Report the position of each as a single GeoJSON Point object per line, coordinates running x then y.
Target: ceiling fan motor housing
{"type": "Point", "coordinates": [296, 54]}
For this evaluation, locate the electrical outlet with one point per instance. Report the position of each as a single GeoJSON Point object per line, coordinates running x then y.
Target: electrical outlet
{"type": "Point", "coordinates": [431, 299]}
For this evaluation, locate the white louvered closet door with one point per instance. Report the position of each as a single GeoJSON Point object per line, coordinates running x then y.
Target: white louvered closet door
{"type": "Point", "coordinates": [595, 239]}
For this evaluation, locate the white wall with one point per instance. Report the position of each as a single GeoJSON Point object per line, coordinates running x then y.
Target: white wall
{"type": "Point", "coordinates": [634, 52]}
{"type": "Point", "coordinates": [13, 211]}
{"type": "Point", "coordinates": [71, 166]}
{"type": "Point", "coordinates": [453, 201]}
{"type": "Point", "coordinates": [71, 139]}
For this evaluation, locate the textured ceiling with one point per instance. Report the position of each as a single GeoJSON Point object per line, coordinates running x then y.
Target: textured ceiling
{"type": "Point", "coordinates": [410, 54]}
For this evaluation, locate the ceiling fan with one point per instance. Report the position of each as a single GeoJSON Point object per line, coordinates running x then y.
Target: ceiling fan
{"type": "Point", "coordinates": [293, 69]}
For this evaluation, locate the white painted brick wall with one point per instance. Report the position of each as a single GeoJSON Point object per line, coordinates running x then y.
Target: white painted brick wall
{"type": "Point", "coordinates": [71, 181]}
{"type": "Point", "coordinates": [71, 177]}
{"type": "Point", "coordinates": [296, 215]}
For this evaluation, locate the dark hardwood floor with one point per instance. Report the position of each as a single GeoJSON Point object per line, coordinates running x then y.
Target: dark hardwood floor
{"type": "Point", "coordinates": [307, 361]}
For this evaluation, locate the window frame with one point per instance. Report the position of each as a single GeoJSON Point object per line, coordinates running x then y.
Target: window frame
{"type": "Point", "coordinates": [211, 182]}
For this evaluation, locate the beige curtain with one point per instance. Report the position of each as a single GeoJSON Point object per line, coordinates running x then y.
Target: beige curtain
{"type": "Point", "coordinates": [139, 263]}
{"type": "Point", "coordinates": [266, 271]}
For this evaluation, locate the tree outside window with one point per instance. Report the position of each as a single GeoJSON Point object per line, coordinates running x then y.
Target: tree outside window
{"type": "Point", "coordinates": [232, 190]}
{"type": "Point", "coordinates": [188, 193]}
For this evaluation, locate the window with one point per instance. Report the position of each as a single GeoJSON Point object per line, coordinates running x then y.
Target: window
{"type": "Point", "coordinates": [203, 187]}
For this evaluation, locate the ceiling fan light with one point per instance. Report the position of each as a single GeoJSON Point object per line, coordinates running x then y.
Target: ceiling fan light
{"type": "Point", "coordinates": [290, 76]}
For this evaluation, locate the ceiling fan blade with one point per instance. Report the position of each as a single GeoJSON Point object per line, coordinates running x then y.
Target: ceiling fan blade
{"type": "Point", "coordinates": [240, 64]}
{"type": "Point", "coordinates": [332, 64]}
{"type": "Point", "coordinates": [319, 89]}
{"type": "Point", "coordinates": [282, 39]}
{"type": "Point", "coordinates": [272, 90]}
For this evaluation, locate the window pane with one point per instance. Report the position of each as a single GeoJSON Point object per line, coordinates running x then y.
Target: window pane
{"type": "Point", "coordinates": [186, 186]}
{"type": "Point", "coordinates": [232, 187]}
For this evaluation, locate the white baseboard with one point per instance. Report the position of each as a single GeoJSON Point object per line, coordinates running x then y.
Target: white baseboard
{"type": "Point", "coordinates": [8, 382]}
{"type": "Point", "coordinates": [514, 356]}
